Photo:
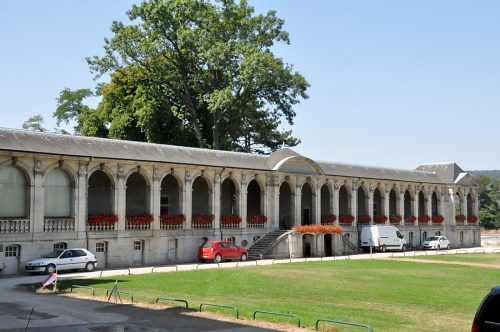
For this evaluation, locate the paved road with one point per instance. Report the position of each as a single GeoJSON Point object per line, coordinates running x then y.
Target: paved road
{"type": "Point", "coordinates": [60, 313]}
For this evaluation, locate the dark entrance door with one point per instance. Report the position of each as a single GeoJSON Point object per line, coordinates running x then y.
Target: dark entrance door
{"type": "Point", "coordinates": [328, 245]}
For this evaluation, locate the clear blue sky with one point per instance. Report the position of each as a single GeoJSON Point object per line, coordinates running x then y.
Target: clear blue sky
{"type": "Point", "coordinates": [393, 83]}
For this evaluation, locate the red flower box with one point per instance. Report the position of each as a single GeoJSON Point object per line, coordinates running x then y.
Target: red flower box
{"type": "Point", "coordinates": [395, 219]}
{"type": "Point", "coordinates": [472, 219]}
{"type": "Point", "coordinates": [460, 218]}
{"type": "Point", "coordinates": [346, 219]}
{"type": "Point", "coordinates": [141, 219]}
{"type": "Point", "coordinates": [257, 219]}
{"type": "Point", "coordinates": [231, 219]}
{"type": "Point", "coordinates": [380, 219]}
{"type": "Point", "coordinates": [320, 229]}
{"type": "Point", "coordinates": [424, 219]}
{"type": "Point", "coordinates": [202, 219]}
{"type": "Point", "coordinates": [410, 219]}
{"type": "Point", "coordinates": [98, 219]}
{"type": "Point", "coordinates": [364, 219]}
{"type": "Point", "coordinates": [328, 218]}
{"type": "Point", "coordinates": [437, 219]}
{"type": "Point", "coordinates": [168, 219]}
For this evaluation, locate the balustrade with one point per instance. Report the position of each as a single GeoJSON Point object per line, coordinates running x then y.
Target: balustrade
{"type": "Point", "coordinates": [102, 227]}
{"type": "Point", "coordinates": [59, 225]}
{"type": "Point", "coordinates": [12, 225]}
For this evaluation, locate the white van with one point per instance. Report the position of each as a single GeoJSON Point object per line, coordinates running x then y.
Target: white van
{"type": "Point", "coordinates": [382, 238]}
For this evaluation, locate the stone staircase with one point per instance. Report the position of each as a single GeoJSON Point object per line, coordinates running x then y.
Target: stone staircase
{"type": "Point", "coordinates": [264, 244]}
{"type": "Point", "coordinates": [350, 248]}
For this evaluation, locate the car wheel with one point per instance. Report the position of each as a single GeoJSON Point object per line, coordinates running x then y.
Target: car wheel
{"type": "Point", "coordinates": [218, 258]}
{"type": "Point", "coordinates": [383, 248]}
{"type": "Point", "coordinates": [448, 247]}
{"type": "Point", "coordinates": [51, 268]}
{"type": "Point", "coordinates": [89, 267]}
{"type": "Point", "coordinates": [243, 257]}
{"type": "Point", "coordinates": [403, 248]}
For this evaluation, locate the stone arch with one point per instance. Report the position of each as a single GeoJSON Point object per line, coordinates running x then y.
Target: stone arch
{"type": "Point", "coordinates": [470, 204]}
{"type": "Point", "coordinates": [393, 203]}
{"type": "Point", "coordinates": [344, 201]}
{"type": "Point", "coordinates": [254, 198]}
{"type": "Point", "coordinates": [27, 170]}
{"type": "Point", "coordinates": [286, 206]}
{"type": "Point", "coordinates": [362, 200]}
{"type": "Point", "coordinates": [70, 172]}
{"type": "Point", "coordinates": [59, 193]}
{"type": "Point", "coordinates": [137, 194]}
{"type": "Point", "coordinates": [307, 215]}
{"type": "Point", "coordinates": [202, 196]}
{"type": "Point", "coordinates": [14, 191]}
{"type": "Point", "coordinates": [103, 168]}
{"type": "Point", "coordinates": [326, 201]}
{"type": "Point", "coordinates": [457, 202]}
{"type": "Point", "coordinates": [377, 203]}
{"type": "Point", "coordinates": [228, 197]}
{"type": "Point", "coordinates": [408, 204]}
{"type": "Point", "coordinates": [434, 204]}
{"type": "Point", "coordinates": [100, 197]}
{"type": "Point", "coordinates": [144, 173]}
{"type": "Point", "coordinates": [422, 207]}
{"type": "Point", "coordinates": [170, 195]}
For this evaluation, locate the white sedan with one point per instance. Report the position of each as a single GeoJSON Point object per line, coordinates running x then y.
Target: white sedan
{"type": "Point", "coordinates": [436, 242]}
{"type": "Point", "coordinates": [65, 259]}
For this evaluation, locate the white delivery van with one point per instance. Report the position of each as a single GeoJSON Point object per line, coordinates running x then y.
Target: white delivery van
{"type": "Point", "coordinates": [382, 238]}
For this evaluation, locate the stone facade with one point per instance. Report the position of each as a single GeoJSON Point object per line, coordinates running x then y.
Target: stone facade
{"type": "Point", "coordinates": [168, 199]}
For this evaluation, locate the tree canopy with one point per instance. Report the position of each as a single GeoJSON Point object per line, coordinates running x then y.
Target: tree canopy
{"type": "Point", "coordinates": [489, 201]}
{"type": "Point", "coordinates": [34, 123]}
{"type": "Point", "coordinates": [192, 72]}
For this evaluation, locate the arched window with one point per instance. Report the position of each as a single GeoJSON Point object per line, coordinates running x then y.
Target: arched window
{"type": "Point", "coordinates": [253, 199]}
{"type": "Point", "coordinates": [58, 194]}
{"type": "Point", "coordinates": [458, 204]}
{"type": "Point", "coordinates": [344, 207]}
{"type": "Point", "coordinates": [434, 204]}
{"type": "Point", "coordinates": [100, 194]}
{"type": "Point", "coordinates": [13, 192]}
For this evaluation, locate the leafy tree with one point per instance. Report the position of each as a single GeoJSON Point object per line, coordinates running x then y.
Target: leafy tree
{"type": "Point", "coordinates": [34, 123]}
{"type": "Point", "coordinates": [192, 72]}
{"type": "Point", "coordinates": [489, 202]}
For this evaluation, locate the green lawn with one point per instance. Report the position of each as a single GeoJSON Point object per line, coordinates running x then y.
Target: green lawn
{"type": "Point", "coordinates": [468, 258]}
{"type": "Point", "coordinates": [388, 295]}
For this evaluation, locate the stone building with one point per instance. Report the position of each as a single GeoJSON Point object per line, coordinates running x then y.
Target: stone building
{"type": "Point", "coordinates": [136, 203]}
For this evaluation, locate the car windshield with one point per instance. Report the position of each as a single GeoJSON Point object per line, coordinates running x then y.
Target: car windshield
{"type": "Point", "coordinates": [434, 238]}
{"type": "Point", "coordinates": [53, 254]}
{"type": "Point", "coordinates": [207, 245]}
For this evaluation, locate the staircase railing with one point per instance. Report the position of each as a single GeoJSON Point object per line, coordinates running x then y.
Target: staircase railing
{"type": "Point", "coordinates": [350, 246]}
{"type": "Point", "coordinates": [272, 244]}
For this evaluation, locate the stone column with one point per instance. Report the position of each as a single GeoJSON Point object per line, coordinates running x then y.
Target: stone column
{"type": "Point", "coordinates": [442, 194]}
{"type": "Point", "coordinates": [273, 208]}
{"type": "Point", "coordinates": [317, 205]}
{"type": "Point", "coordinates": [297, 220]}
{"type": "Point", "coordinates": [428, 203]}
{"type": "Point", "coordinates": [243, 200]}
{"type": "Point", "coordinates": [188, 198]}
{"type": "Point", "coordinates": [463, 205]}
{"type": "Point", "coordinates": [385, 200]}
{"type": "Point", "coordinates": [39, 199]}
{"type": "Point", "coordinates": [371, 188]}
{"type": "Point", "coordinates": [216, 200]}
{"type": "Point", "coordinates": [401, 204]}
{"type": "Point", "coordinates": [354, 202]}
{"type": "Point", "coordinates": [121, 199]}
{"type": "Point", "coordinates": [415, 205]}
{"type": "Point", "coordinates": [335, 201]}
{"type": "Point", "coordinates": [81, 199]}
{"type": "Point", "coordinates": [156, 198]}
{"type": "Point", "coordinates": [451, 193]}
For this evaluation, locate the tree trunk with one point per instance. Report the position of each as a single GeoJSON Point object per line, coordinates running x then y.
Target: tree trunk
{"type": "Point", "coordinates": [194, 119]}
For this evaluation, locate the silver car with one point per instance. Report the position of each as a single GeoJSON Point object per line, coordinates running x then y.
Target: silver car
{"type": "Point", "coordinates": [436, 242]}
{"type": "Point", "coordinates": [64, 259]}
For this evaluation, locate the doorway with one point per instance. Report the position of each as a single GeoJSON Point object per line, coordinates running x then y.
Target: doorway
{"type": "Point", "coordinates": [172, 249]}
{"type": "Point", "coordinates": [138, 256]}
{"type": "Point", "coordinates": [12, 255]}
{"type": "Point", "coordinates": [101, 253]}
{"type": "Point", "coordinates": [328, 244]}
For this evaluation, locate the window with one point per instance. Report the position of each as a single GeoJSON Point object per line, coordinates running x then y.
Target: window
{"type": "Point", "coordinates": [164, 204]}
{"type": "Point", "coordinates": [11, 251]}
{"type": "Point", "coordinates": [13, 189]}
{"type": "Point", "coordinates": [424, 236]}
{"type": "Point", "coordinates": [60, 246]}
{"type": "Point", "coordinates": [231, 239]}
{"type": "Point", "coordinates": [410, 237]}
{"type": "Point", "coordinates": [57, 194]}
{"type": "Point", "coordinates": [203, 241]}
{"type": "Point", "coordinates": [137, 245]}
{"type": "Point", "coordinates": [67, 254]}
{"type": "Point", "coordinates": [100, 247]}
{"type": "Point", "coordinates": [462, 238]}
{"type": "Point", "coordinates": [244, 243]}
{"type": "Point", "coordinates": [438, 233]}
{"type": "Point", "coordinates": [78, 253]}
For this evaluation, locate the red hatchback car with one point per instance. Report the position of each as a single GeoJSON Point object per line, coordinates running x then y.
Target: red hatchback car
{"type": "Point", "coordinates": [219, 251]}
